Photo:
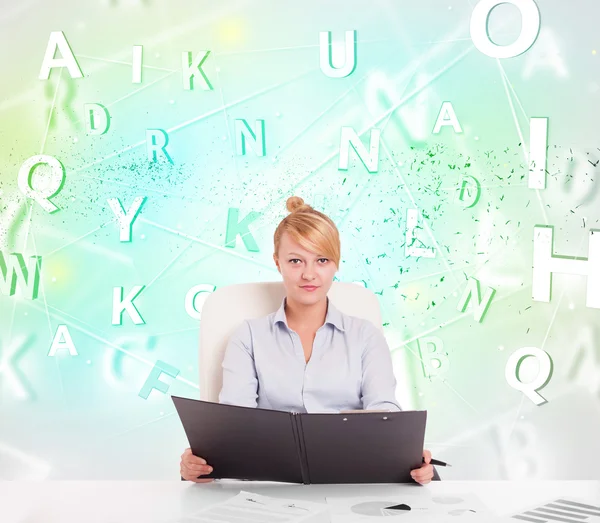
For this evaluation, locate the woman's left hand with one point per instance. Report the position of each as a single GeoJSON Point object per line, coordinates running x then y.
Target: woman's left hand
{"type": "Point", "coordinates": [424, 474]}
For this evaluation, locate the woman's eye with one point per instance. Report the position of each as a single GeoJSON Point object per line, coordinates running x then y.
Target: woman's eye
{"type": "Point", "coordinates": [294, 260]}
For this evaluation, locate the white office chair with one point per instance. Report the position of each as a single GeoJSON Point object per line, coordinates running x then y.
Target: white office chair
{"type": "Point", "coordinates": [226, 308]}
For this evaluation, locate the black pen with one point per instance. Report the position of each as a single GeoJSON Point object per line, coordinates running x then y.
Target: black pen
{"type": "Point", "coordinates": [437, 462]}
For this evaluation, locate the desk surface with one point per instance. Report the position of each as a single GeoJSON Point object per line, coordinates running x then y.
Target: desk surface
{"type": "Point", "coordinates": [165, 501]}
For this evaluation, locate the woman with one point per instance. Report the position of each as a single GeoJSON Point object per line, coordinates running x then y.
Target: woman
{"type": "Point", "coordinates": [307, 356]}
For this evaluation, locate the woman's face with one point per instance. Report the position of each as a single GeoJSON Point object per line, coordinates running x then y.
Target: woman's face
{"type": "Point", "coordinates": [307, 276]}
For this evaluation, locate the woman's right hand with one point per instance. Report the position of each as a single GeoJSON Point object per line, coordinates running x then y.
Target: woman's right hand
{"type": "Point", "coordinates": [193, 466]}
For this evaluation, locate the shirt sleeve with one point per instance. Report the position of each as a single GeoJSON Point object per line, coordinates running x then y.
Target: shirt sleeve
{"type": "Point", "coordinates": [378, 380]}
{"type": "Point", "coordinates": [240, 382]}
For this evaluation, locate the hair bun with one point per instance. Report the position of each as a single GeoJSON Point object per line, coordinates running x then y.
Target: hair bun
{"type": "Point", "coordinates": [295, 203]}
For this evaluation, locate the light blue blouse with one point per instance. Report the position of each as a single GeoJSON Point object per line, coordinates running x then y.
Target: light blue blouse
{"type": "Point", "coordinates": [350, 366]}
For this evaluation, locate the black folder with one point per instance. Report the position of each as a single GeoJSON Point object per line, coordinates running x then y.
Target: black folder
{"type": "Point", "coordinates": [272, 445]}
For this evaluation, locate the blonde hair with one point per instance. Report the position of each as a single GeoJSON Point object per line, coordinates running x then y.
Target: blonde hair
{"type": "Point", "coordinates": [312, 229]}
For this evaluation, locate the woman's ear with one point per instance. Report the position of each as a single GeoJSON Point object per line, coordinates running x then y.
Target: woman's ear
{"type": "Point", "coordinates": [276, 260]}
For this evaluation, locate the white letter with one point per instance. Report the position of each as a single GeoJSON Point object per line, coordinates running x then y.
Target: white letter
{"type": "Point", "coordinates": [97, 119]}
{"type": "Point", "coordinates": [194, 307]}
{"type": "Point", "coordinates": [157, 141]}
{"type": "Point", "coordinates": [235, 227]}
{"type": "Point", "coordinates": [326, 55]}
{"type": "Point", "coordinates": [370, 160]}
{"type": "Point", "coordinates": [53, 184]}
{"type": "Point", "coordinates": [10, 354]}
{"type": "Point", "coordinates": [481, 306]}
{"type": "Point", "coordinates": [433, 360]}
{"type": "Point", "coordinates": [65, 343]}
{"type": "Point", "coordinates": [256, 137]}
{"type": "Point", "coordinates": [120, 305]}
{"type": "Point", "coordinates": [13, 271]}
{"type": "Point", "coordinates": [544, 264]}
{"type": "Point", "coordinates": [191, 68]}
{"type": "Point", "coordinates": [136, 75]}
{"type": "Point", "coordinates": [447, 116]}
{"type": "Point", "coordinates": [530, 28]}
{"type": "Point", "coordinates": [544, 374]}
{"type": "Point", "coordinates": [126, 220]}
{"type": "Point", "coordinates": [472, 197]}
{"type": "Point", "coordinates": [152, 382]}
{"type": "Point", "coordinates": [58, 41]}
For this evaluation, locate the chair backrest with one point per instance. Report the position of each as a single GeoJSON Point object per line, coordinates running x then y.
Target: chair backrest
{"type": "Point", "coordinates": [226, 308]}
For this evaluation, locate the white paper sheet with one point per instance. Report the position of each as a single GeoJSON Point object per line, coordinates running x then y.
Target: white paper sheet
{"type": "Point", "coordinates": [254, 508]}
{"type": "Point", "coordinates": [565, 509]}
{"type": "Point", "coordinates": [455, 507]}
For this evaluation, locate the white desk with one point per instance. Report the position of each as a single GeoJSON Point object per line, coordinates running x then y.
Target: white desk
{"type": "Point", "coordinates": [162, 501]}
